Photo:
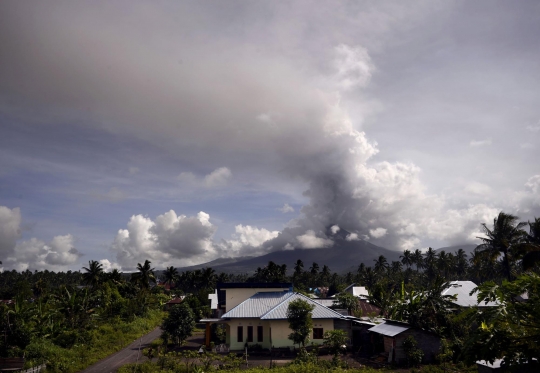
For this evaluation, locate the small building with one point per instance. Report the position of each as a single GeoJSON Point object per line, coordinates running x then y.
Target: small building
{"type": "Point", "coordinates": [358, 291]}
{"type": "Point", "coordinates": [173, 302]}
{"type": "Point", "coordinates": [462, 290]}
{"type": "Point", "coordinates": [395, 332]}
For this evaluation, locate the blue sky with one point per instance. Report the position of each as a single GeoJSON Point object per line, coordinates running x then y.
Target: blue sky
{"type": "Point", "coordinates": [184, 132]}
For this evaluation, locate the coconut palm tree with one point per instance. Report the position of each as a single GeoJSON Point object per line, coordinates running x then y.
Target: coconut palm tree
{"type": "Point", "coordinates": [502, 240]}
{"type": "Point", "coordinates": [381, 264]}
{"type": "Point", "coordinates": [532, 245]}
{"type": "Point", "coordinates": [94, 274]}
{"type": "Point", "coordinates": [145, 275]}
{"type": "Point", "coordinates": [418, 259]}
{"type": "Point", "coordinates": [298, 267]}
{"type": "Point", "coordinates": [170, 276]}
{"type": "Point", "coordinates": [406, 258]}
{"type": "Point", "coordinates": [461, 263]}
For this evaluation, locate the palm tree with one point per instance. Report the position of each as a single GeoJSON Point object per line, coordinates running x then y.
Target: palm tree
{"type": "Point", "coordinates": [145, 275]}
{"type": "Point", "coordinates": [381, 264]}
{"type": "Point", "coordinates": [170, 276]}
{"type": "Point", "coordinates": [314, 269]}
{"type": "Point", "coordinates": [298, 267]}
{"type": "Point", "coordinates": [418, 259]}
{"type": "Point", "coordinates": [532, 245]}
{"type": "Point", "coordinates": [94, 274]}
{"type": "Point", "coordinates": [429, 263]}
{"type": "Point", "coordinates": [503, 239]}
{"type": "Point", "coordinates": [407, 258]}
{"type": "Point", "coordinates": [208, 278]}
{"type": "Point", "coordinates": [461, 263]}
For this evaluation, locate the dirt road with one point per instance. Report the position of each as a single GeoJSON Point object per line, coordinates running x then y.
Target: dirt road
{"type": "Point", "coordinates": [125, 356]}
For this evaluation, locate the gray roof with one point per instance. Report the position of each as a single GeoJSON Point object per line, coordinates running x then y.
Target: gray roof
{"type": "Point", "coordinates": [258, 304]}
{"type": "Point", "coordinates": [274, 305]}
{"type": "Point", "coordinates": [462, 289]}
{"type": "Point", "coordinates": [325, 301]}
{"type": "Point", "coordinates": [319, 312]}
{"type": "Point", "coordinates": [389, 329]}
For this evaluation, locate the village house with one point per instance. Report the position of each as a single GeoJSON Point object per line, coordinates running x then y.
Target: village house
{"type": "Point", "coordinates": [465, 298]}
{"type": "Point", "coordinates": [393, 334]}
{"type": "Point", "coordinates": [257, 314]}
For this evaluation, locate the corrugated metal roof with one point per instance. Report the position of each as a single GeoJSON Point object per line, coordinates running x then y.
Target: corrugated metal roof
{"type": "Point", "coordinates": [389, 329]}
{"type": "Point", "coordinates": [258, 304]}
{"type": "Point", "coordinates": [462, 289]}
{"type": "Point", "coordinates": [279, 312]}
{"type": "Point", "coordinates": [274, 305]}
{"type": "Point", "coordinates": [325, 301]}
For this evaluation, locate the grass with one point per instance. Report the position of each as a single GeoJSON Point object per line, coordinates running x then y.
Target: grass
{"type": "Point", "coordinates": [96, 344]}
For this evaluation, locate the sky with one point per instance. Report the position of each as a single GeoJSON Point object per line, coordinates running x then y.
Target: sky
{"type": "Point", "coordinates": [182, 132]}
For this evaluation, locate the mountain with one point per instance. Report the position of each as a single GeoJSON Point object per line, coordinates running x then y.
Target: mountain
{"type": "Point", "coordinates": [468, 248]}
{"type": "Point", "coordinates": [343, 257]}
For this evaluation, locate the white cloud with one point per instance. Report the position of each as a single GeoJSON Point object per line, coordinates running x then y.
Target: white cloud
{"type": "Point", "coordinates": [476, 143]}
{"type": "Point", "coordinates": [309, 240]}
{"type": "Point", "coordinates": [217, 178]}
{"type": "Point", "coordinates": [10, 228]}
{"type": "Point", "coordinates": [353, 66]}
{"type": "Point", "coordinates": [533, 128]}
{"type": "Point", "coordinates": [526, 145]}
{"type": "Point", "coordinates": [108, 266]}
{"type": "Point", "coordinates": [334, 229]}
{"type": "Point", "coordinates": [58, 254]}
{"type": "Point", "coordinates": [169, 240]}
{"type": "Point", "coordinates": [352, 237]}
{"type": "Point", "coordinates": [286, 208]}
{"type": "Point", "coordinates": [377, 232]}
{"type": "Point", "coordinates": [133, 170]}
{"type": "Point", "coordinates": [534, 184]}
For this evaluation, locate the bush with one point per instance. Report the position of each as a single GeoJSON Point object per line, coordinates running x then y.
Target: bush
{"type": "Point", "coordinates": [413, 353]}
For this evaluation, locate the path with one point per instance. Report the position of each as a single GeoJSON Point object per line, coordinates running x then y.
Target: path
{"type": "Point", "coordinates": [125, 356]}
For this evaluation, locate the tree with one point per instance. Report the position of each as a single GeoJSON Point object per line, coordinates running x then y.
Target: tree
{"type": "Point", "coordinates": [511, 330]}
{"type": "Point", "coordinates": [145, 275]}
{"type": "Point", "coordinates": [179, 324]}
{"type": "Point", "coordinates": [94, 274]}
{"type": "Point", "coordinates": [170, 275]}
{"type": "Point", "coordinates": [503, 239]}
{"type": "Point", "coordinates": [348, 302]}
{"type": "Point", "coordinates": [300, 322]}
{"type": "Point", "coordinates": [298, 267]}
{"type": "Point", "coordinates": [532, 245]}
{"type": "Point", "coordinates": [336, 341]}
{"type": "Point", "coordinates": [407, 258]}
{"type": "Point", "coordinates": [381, 264]}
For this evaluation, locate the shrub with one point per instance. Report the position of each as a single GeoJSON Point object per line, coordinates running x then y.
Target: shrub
{"type": "Point", "coordinates": [413, 353]}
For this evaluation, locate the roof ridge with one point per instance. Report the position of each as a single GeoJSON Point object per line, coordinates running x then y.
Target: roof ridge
{"type": "Point", "coordinates": [277, 305]}
{"type": "Point", "coordinates": [309, 301]}
{"type": "Point", "coordinates": [244, 301]}
{"type": "Point", "coordinates": [321, 305]}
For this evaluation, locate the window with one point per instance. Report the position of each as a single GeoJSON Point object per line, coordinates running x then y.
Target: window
{"type": "Point", "coordinates": [259, 333]}
{"type": "Point", "coordinates": [317, 333]}
{"type": "Point", "coordinates": [250, 334]}
{"type": "Point", "coordinates": [240, 334]}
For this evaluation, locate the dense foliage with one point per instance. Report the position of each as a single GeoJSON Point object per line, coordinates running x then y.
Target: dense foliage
{"type": "Point", "coordinates": [73, 319]}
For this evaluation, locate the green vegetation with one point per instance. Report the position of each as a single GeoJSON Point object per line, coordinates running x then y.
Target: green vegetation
{"type": "Point", "coordinates": [300, 322]}
{"type": "Point", "coordinates": [71, 320]}
{"type": "Point", "coordinates": [179, 324]}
